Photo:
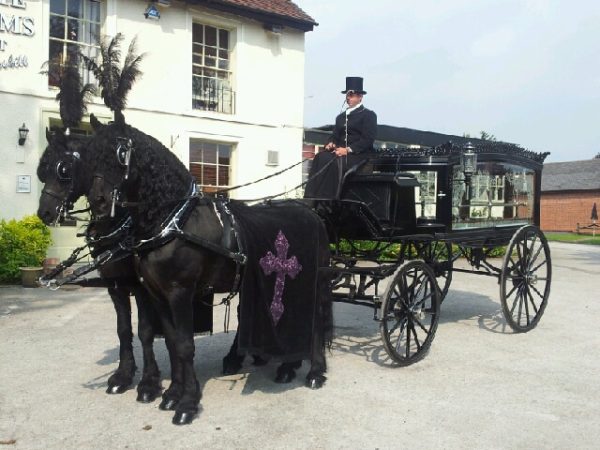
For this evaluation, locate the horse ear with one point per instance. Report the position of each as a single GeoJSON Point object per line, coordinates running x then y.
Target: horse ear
{"type": "Point", "coordinates": [96, 125]}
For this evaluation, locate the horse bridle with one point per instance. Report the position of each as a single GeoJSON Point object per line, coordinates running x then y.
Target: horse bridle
{"type": "Point", "coordinates": [65, 171]}
{"type": "Point", "coordinates": [123, 152]}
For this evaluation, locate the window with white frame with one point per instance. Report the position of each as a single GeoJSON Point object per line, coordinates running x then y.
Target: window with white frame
{"type": "Point", "coordinates": [210, 164]}
{"type": "Point", "coordinates": [211, 69]}
{"type": "Point", "coordinates": [74, 28]}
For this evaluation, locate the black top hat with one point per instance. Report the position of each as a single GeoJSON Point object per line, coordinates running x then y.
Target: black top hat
{"type": "Point", "coordinates": [354, 84]}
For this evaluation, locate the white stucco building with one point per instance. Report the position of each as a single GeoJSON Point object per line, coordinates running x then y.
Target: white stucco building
{"type": "Point", "coordinates": [222, 87]}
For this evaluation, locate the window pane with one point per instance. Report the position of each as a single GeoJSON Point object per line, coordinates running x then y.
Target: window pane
{"type": "Point", "coordinates": [223, 54]}
{"type": "Point", "coordinates": [223, 175]}
{"type": "Point", "coordinates": [57, 27]}
{"type": "Point", "coordinates": [55, 53]}
{"type": "Point", "coordinates": [209, 175]}
{"type": "Point", "coordinates": [73, 49]}
{"type": "Point", "coordinates": [92, 33]}
{"type": "Point", "coordinates": [75, 8]}
{"type": "Point", "coordinates": [93, 13]}
{"type": "Point", "coordinates": [195, 153]}
{"type": "Point", "coordinates": [196, 171]}
{"type": "Point", "coordinates": [211, 36]}
{"type": "Point", "coordinates": [210, 153]}
{"type": "Point", "coordinates": [223, 39]}
{"type": "Point", "coordinates": [210, 62]}
{"type": "Point", "coordinates": [224, 151]}
{"type": "Point", "coordinates": [197, 31]}
{"type": "Point", "coordinates": [223, 64]}
{"type": "Point", "coordinates": [57, 6]}
{"type": "Point", "coordinates": [73, 31]}
{"type": "Point", "coordinates": [197, 59]}
{"type": "Point", "coordinates": [197, 70]}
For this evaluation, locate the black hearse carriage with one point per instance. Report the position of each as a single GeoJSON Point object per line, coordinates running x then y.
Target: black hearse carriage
{"type": "Point", "coordinates": [411, 214]}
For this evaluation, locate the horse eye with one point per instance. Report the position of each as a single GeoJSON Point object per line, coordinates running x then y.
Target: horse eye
{"type": "Point", "coordinates": [63, 170]}
{"type": "Point", "coordinates": [122, 156]}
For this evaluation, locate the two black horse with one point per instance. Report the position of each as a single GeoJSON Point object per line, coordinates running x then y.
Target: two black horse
{"type": "Point", "coordinates": [183, 242]}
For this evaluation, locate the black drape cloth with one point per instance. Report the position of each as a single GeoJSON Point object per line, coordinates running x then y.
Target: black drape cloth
{"type": "Point", "coordinates": [263, 229]}
{"type": "Point", "coordinates": [326, 173]}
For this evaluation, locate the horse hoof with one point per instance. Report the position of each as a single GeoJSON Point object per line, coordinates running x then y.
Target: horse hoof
{"type": "Point", "coordinates": [168, 404]}
{"type": "Point", "coordinates": [146, 397]}
{"type": "Point", "coordinates": [315, 382]}
{"type": "Point", "coordinates": [285, 377]}
{"type": "Point", "coordinates": [116, 389]}
{"type": "Point", "coordinates": [183, 418]}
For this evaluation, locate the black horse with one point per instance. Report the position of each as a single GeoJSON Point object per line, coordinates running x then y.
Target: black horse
{"type": "Point", "coordinates": [184, 242]}
{"type": "Point", "coordinates": [63, 170]}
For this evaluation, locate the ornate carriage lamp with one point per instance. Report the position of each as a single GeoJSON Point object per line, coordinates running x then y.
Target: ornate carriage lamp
{"type": "Point", "coordinates": [469, 165]}
{"type": "Point", "coordinates": [23, 131]}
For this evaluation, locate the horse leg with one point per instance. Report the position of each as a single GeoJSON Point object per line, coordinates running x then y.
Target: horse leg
{"type": "Point", "coordinates": [286, 372]}
{"type": "Point", "coordinates": [149, 386]}
{"type": "Point", "coordinates": [120, 381]}
{"type": "Point", "coordinates": [181, 303]}
{"type": "Point", "coordinates": [315, 377]}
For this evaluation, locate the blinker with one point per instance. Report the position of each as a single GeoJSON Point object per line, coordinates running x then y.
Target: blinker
{"type": "Point", "coordinates": [124, 153]}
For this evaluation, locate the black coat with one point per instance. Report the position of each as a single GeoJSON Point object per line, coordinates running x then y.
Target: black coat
{"type": "Point", "coordinates": [362, 130]}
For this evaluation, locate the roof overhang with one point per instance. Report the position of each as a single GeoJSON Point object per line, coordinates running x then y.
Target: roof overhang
{"type": "Point", "coordinates": [265, 17]}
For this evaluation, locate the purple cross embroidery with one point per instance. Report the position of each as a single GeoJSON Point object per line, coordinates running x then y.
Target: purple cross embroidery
{"type": "Point", "coordinates": [282, 266]}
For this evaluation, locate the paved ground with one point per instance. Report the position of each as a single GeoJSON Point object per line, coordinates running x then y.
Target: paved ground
{"type": "Point", "coordinates": [481, 386]}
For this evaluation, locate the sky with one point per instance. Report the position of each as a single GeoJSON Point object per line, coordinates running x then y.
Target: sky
{"type": "Point", "coordinates": [526, 71]}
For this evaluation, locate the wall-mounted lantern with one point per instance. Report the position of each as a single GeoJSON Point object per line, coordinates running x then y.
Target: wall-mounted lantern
{"type": "Point", "coordinates": [152, 12]}
{"type": "Point", "coordinates": [23, 132]}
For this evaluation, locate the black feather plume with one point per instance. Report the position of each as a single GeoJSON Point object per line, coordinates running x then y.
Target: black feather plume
{"type": "Point", "coordinates": [115, 82]}
{"type": "Point", "coordinates": [73, 95]}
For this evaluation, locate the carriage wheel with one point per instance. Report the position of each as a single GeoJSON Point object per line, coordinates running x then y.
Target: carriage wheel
{"type": "Point", "coordinates": [438, 256]}
{"type": "Point", "coordinates": [410, 313]}
{"type": "Point", "coordinates": [525, 278]}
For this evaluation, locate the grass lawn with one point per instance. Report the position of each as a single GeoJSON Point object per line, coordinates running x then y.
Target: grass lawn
{"type": "Point", "coordinates": [574, 238]}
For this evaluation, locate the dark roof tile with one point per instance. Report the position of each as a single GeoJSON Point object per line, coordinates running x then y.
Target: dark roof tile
{"type": "Point", "coordinates": [571, 175]}
{"type": "Point", "coordinates": [284, 9]}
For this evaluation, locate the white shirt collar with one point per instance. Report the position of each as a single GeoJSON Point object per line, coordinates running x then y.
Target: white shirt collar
{"type": "Point", "coordinates": [349, 110]}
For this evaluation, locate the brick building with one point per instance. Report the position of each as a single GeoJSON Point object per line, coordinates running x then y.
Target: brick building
{"type": "Point", "coordinates": [569, 191]}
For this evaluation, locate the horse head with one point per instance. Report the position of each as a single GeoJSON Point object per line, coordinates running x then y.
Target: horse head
{"type": "Point", "coordinates": [134, 170]}
{"type": "Point", "coordinates": [63, 170]}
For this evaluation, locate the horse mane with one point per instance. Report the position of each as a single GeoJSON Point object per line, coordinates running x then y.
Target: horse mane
{"type": "Point", "coordinates": [158, 179]}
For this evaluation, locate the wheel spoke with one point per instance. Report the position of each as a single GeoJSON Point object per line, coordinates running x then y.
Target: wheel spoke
{"type": "Point", "coordinates": [512, 310]}
{"type": "Point", "coordinates": [526, 304]}
{"type": "Point", "coordinates": [421, 325]}
{"type": "Point", "coordinates": [407, 350]}
{"type": "Point", "coordinates": [533, 259]}
{"type": "Point", "coordinates": [537, 292]}
{"type": "Point", "coordinates": [511, 291]}
{"type": "Point", "coordinates": [532, 302]}
{"type": "Point", "coordinates": [412, 327]}
{"type": "Point", "coordinates": [538, 266]}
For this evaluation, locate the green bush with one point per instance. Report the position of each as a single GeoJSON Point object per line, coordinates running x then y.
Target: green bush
{"type": "Point", "coordinates": [22, 243]}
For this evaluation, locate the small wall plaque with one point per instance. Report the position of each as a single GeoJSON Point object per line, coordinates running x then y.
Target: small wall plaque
{"type": "Point", "coordinates": [23, 183]}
